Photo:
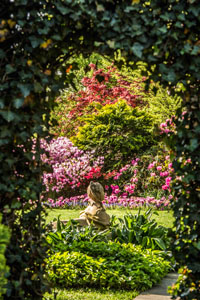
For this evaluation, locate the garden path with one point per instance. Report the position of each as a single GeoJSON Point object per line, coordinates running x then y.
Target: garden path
{"type": "Point", "coordinates": [159, 292]}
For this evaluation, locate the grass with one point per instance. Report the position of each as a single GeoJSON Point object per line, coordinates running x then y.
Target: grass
{"type": "Point", "coordinates": [164, 217]}
{"type": "Point", "coordinates": [92, 294]}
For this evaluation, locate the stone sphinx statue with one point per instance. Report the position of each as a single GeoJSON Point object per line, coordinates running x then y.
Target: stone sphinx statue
{"type": "Point", "coordinates": [95, 213]}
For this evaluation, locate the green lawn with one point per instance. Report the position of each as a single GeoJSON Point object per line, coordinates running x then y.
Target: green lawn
{"type": "Point", "coordinates": [164, 217]}
{"type": "Point", "coordinates": [92, 294]}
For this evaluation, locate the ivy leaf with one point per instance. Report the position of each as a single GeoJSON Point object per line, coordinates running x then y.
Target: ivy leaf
{"type": "Point", "coordinates": [64, 10]}
{"type": "Point", "coordinates": [8, 115]}
{"type": "Point", "coordinates": [35, 42]}
{"type": "Point", "coordinates": [38, 87]}
{"type": "Point", "coordinates": [18, 102]}
{"type": "Point", "coordinates": [2, 54]}
{"type": "Point", "coordinates": [16, 204]}
{"type": "Point", "coordinates": [197, 245]}
{"type": "Point", "coordinates": [193, 144]}
{"type": "Point", "coordinates": [163, 29]}
{"type": "Point", "coordinates": [1, 104]}
{"type": "Point", "coordinates": [137, 49]}
{"type": "Point", "coordinates": [25, 89]}
{"type": "Point", "coordinates": [171, 76]}
{"type": "Point", "coordinates": [10, 69]}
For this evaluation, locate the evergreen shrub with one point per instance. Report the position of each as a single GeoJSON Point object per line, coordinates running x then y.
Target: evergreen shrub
{"type": "Point", "coordinates": [117, 131]}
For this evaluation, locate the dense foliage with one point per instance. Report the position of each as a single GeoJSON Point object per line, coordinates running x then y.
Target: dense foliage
{"type": "Point", "coordinates": [116, 131]}
{"type": "Point", "coordinates": [105, 86]}
{"type": "Point", "coordinates": [105, 83]}
{"type": "Point", "coordinates": [33, 36]}
{"type": "Point", "coordinates": [29, 83]}
{"type": "Point", "coordinates": [187, 192]}
{"type": "Point", "coordinates": [139, 229]}
{"type": "Point", "coordinates": [89, 257]}
{"type": "Point", "coordinates": [109, 265]}
{"type": "Point", "coordinates": [4, 240]}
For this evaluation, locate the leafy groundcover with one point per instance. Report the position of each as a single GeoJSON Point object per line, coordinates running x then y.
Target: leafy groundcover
{"type": "Point", "coordinates": [106, 264]}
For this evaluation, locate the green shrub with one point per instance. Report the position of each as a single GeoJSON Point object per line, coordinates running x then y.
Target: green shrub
{"type": "Point", "coordinates": [70, 232]}
{"type": "Point", "coordinates": [4, 239]}
{"type": "Point", "coordinates": [117, 132]}
{"type": "Point", "coordinates": [140, 229]}
{"type": "Point", "coordinates": [110, 265]}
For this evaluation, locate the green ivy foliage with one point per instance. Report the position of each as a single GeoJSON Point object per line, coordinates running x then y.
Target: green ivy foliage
{"type": "Point", "coordinates": [186, 244]}
{"type": "Point", "coordinates": [4, 240]}
{"type": "Point", "coordinates": [29, 83]}
{"type": "Point", "coordinates": [117, 131]}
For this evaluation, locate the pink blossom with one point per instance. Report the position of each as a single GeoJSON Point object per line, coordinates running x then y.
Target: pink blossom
{"type": "Point", "coordinates": [151, 165]}
{"type": "Point", "coordinates": [163, 174]}
{"type": "Point", "coordinates": [92, 66]}
{"type": "Point", "coordinates": [159, 168]}
{"type": "Point", "coordinates": [164, 187]}
{"type": "Point", "coordinates": [163, 125]}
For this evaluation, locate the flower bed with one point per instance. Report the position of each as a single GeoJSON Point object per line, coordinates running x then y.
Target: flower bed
{"type": "Point", "coordinates": [144, 181]}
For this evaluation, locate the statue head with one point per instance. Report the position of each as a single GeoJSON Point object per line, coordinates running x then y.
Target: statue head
{"type": "Point", "coordinates": [95, 191]}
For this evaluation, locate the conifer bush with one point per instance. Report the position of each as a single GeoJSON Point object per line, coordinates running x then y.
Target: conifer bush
{"type": "Point", "coordinates": [117, 131]}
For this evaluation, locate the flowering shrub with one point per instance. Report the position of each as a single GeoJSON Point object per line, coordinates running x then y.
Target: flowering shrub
{"type": "Point", "coordinates": [71, 168]}
{"type": "Point", "coordinates": [168, 126]}
{"type": "Point", "coordinates": [144, 181]}
{"type": "Point", "coordinates": [98, 81]}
